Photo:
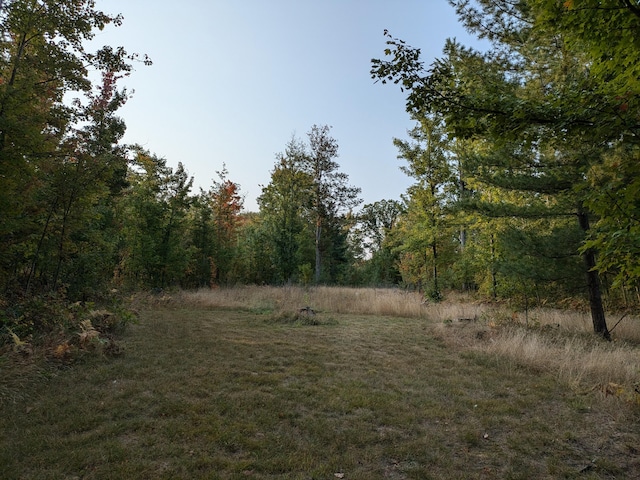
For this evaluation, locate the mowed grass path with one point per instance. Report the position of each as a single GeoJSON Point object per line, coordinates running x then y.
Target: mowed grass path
{"type": "Point", "coordinates": [204, 393]}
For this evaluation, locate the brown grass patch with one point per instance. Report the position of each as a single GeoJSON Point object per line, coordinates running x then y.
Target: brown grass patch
{"type": "Point", "coordinates": [359, 301]}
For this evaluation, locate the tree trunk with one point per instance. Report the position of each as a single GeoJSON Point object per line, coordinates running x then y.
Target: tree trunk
{"type": "Point", "coordinates": [318, 257]}
{"type": "Point", "coordinates": [36, 255]}
{"type": "Point", "coordinates": [593, 284]}
{"type": "Point", "coordinates": [494, 281]}
{"type": "Point", "coordinates": [436, 289]}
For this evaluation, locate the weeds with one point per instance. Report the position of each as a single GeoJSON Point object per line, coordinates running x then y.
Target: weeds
{"type": "Point", "coordinates": [41, 334]}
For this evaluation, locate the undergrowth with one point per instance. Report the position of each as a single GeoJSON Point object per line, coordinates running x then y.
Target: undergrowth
{"type": "Point", "coordinates": [41, 332]}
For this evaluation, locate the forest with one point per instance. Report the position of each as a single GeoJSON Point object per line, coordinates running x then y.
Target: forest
{"type": "Point", "coordinates": [524, 162]}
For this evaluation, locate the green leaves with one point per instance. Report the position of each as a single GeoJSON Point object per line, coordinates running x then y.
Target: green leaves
{"type": "Point", "coordinates": [305, 207]}
{"type": "Point", "coordinates": [154, 216]}
{"type": "Point", "coordinates": [613, 195]}
{"type": "Point", "coordinates": [60, 163]}
{"type": "Point", "coordinates": [606, 30]}
{"type": "Point", "coordinates": [545, 107]}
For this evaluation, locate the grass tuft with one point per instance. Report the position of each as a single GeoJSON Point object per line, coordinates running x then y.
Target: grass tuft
{"type": "Point", "coordinates": [302, 317]}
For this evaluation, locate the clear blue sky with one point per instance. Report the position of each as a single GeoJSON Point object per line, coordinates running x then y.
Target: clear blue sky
{"type": "Point", "coordinates": [232, 80]}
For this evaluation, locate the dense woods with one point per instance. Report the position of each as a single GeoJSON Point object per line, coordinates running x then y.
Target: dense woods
{"type": "Point", "coordinates": [524, 161]}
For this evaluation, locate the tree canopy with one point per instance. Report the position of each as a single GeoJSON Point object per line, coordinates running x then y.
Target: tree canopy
{"type": "Point", "coordinates": [548, 105]}
{"type": "Point", "coordinates": [523, 161]}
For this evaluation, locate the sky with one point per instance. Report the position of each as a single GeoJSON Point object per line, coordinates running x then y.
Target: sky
{"type": "Point", "coordinates": [233, 80]}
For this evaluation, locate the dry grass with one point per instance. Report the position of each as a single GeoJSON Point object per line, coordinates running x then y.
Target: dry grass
{"type": "Point", "coordinates": [580, 361]}
{"type": "Point", "coordinates": [357, 301]}
{"type": "Point", "coordinates": [545, 339]}
{"type": "Point", "coordinates": [221, 384]}
{"type": "Point", "coordinates": [624, 327]}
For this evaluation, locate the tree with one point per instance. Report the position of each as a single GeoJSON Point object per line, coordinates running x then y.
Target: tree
{"type": "Point", "coordinates": [614, 189]}
{"type": "Point", "coordinates": [202, 240]}
{"type": "Point", "coordinates": [284, 206]}
{"type": "Point", "coordinates": [60, 165]}
{"type": "Point", "coordinates": [532, 101]}
{"type": "Point", "coordinates": [429, 164]}
{"type": "Point", "coordinates": [83, 189]}
{"type": "Point", "coordinates": [331, 195]}
{"type": "Point", "coordinates": [309, 199]}
{"type": "Point", "coordinates": [602, 112]}
{"type": "Point", "coordinates": [225, 202]}
{"type": "Point", "coordinates": [155, 213]}
{"type": "Point", "coordinates": [254, 259]}
{"type": "Point", "coordinates": [370, 241]}
{"type": "Point", "coordinates": [608, 34]}
{"type": "Point", "coordinates": [375, 221]}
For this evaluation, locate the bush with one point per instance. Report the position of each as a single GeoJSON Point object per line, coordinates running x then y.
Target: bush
{"type": "Point", "coordinates": [62, 327]}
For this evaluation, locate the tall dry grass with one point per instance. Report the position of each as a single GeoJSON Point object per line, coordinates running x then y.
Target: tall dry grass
{"type": "Point", "coordinates": [560, 342]}
{"type": "Point", "coordinates": [337, 300]}
{"type": "Point", "coordinates": [576, 359]}
{"type": "Point", "coordinates": [553, 340]}
{"type": "Point", "coordinates": [392, 302]}
{"type": "Point", "coordinates": [622, 326]}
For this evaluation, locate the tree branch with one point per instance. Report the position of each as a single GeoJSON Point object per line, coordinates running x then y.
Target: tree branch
{"type": "Point", "coordinates": [633, 8]}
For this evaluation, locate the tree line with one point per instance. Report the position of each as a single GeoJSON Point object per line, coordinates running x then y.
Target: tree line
{"type": "Point", "coordinates": [82, 213]}
{"type": "Point", "coordinates": [544, 124]}
{"type": "Point", "coordinates": [523, 156]}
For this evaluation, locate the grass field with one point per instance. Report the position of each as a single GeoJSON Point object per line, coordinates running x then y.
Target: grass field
{"type": "Point", "coordinates": [209, 388]}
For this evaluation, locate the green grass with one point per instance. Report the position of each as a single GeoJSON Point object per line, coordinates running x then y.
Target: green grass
{"type": "Point", "coordinates": [220, 393]}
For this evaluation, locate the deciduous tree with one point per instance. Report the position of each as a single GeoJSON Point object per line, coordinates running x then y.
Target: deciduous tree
{"type": "Point", "coordinates": [155, 214]}
{"type": "Point", "coordinates": [225, 202]}
{"type": "Point", "coordinates": [331, 195]}
{"type": "Point", "coordinates": [60, 163]}
{"type": "Point", "coordinates": [284, 207]}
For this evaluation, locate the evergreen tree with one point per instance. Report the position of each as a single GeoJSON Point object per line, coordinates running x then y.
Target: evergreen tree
{"type": "Point", "coordinates": [428, 163]}
{"type": "Point", "coordinates": [529, 100]}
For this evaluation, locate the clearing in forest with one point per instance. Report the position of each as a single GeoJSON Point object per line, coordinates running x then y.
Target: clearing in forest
{"type": "Point", "coordinates": [228, 393]}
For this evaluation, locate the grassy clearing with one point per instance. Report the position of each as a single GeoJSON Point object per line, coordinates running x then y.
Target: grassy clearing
{"type": "Point", "coordinates": [235, 389]}
{"type": "Point", "coordinates": [559, 342]}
